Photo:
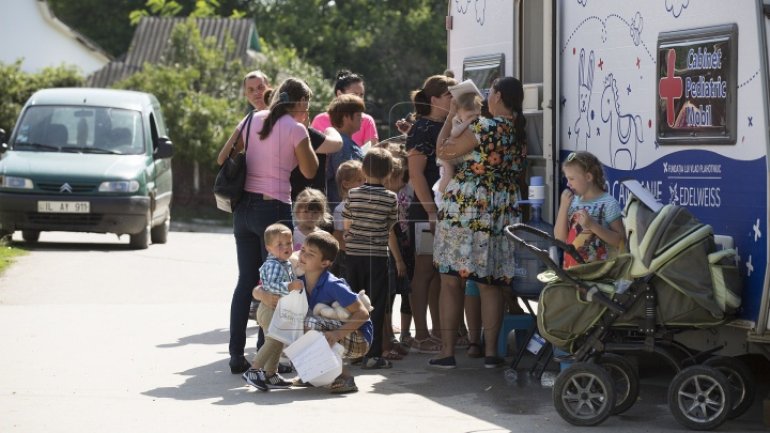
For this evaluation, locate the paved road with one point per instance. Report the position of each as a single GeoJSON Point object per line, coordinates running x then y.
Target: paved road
{"type": "Point", "coordinates": [96, 337]}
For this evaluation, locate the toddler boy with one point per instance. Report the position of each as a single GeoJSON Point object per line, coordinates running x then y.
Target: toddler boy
{"type": "Point", "coordinates": [277, 278]}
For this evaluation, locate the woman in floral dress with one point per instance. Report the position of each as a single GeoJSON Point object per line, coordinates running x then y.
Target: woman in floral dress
{"type": "Point", "coordinates": [478, 204]}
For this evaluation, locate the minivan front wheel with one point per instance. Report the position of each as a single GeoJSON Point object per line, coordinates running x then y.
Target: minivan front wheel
{"type": "Point", "coordinates": [30, 235]}
{"type": "Point", "coordinates": [159, 234]}
{"type": "Point", "coordinates": [141, 240]}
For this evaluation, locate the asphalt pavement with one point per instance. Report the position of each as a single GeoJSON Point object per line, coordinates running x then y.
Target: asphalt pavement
{"type": "Point", "coordinates": [96, 337]}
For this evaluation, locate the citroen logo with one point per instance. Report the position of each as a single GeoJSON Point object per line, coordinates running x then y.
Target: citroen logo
{"type": "Point", "coordinates": [65, 188]}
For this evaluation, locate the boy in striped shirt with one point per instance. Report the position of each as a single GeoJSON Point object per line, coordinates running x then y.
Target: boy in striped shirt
{"type": "Point", "coordinates": [368, 216]}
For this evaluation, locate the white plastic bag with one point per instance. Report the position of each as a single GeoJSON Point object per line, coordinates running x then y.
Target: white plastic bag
{"type": "Point", "coordinates": [289, 317]}
{"type": "Point", "coordinates": [314, 360]}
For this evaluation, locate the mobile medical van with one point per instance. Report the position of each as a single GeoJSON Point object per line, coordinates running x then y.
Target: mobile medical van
{"type": "Point", "coordinates": [672, 93]}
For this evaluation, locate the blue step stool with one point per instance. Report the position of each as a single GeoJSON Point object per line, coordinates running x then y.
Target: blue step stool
{"type": "Point", "coordinates": [520, 323]}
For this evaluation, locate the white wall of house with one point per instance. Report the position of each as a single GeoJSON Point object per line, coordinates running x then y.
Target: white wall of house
{"type": "Point", "coordinates": [29, 30]}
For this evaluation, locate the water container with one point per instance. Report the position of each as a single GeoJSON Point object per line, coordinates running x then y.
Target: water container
{"type": "Point", "coordinates": [528, 265]}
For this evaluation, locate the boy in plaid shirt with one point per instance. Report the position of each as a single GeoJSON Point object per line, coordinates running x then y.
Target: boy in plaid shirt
{"type": "Point", "coordinates": [277, 278]}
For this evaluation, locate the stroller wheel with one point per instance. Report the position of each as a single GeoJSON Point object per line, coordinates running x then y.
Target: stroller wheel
{"type": "Point", "coordinates": [625, 381]}
{"type": "Point", "coordinates": [584, 394]}
{"type": "Point", "coordinates": [740, 381]}
{"type": "Point", "coordinates": [699, 397]}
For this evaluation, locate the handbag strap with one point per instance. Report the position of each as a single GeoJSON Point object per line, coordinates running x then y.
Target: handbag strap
{"type": "Point", "coordinates": [248, 132]}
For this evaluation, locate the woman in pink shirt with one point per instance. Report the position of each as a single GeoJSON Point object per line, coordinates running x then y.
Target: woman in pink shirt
{"type": "Point", "coordinates": [350, 83]}
{"type": "Point", "coordinates": [277, 143]}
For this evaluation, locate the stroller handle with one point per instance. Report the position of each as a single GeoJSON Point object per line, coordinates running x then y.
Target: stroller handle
{"type": "Point", "coordinates": [511, 232]}
{"type": "Point", "coordinates": [590, 292]}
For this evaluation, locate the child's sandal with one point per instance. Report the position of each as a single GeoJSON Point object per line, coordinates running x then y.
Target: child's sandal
{"type": "Point", "coordinates": [475, 350]}
{"type": "Point", "coordinates": [427, 345]}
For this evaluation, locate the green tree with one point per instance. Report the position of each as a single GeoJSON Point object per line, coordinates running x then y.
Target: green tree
{"type": "Point", "coordinates": [170, 8]}
{"type": "Point", "coordinates": [281, 63]}
{"type": "Point", "coordinates": [16, 86]}
{"type": "Point", "coordinates": [395, 44]}
{"type": "Point", "coordinates": [199, 91]}
{"type": "Point", "coordinates": [104, 22]}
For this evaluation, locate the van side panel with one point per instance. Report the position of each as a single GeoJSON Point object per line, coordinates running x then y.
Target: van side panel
{"type": "Point", "coordinates": [612, 98]}
{"type": "Point", "coordinates": [480, 28]}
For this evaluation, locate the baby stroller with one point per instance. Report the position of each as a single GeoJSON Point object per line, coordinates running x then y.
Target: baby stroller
{"type": "Point", "coordinates": [673, 279]}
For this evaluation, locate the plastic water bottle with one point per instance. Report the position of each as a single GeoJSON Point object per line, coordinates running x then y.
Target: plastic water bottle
{"type": "Point", "coordinates": [528, 265]}
{"type": "Point", "coordinates": [511, 376]}
{"type": "Point", "coordinates": [547, 379]}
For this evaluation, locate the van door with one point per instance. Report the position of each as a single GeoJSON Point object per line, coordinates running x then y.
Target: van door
{"type": "Point", "coordinates": [535, 40]}
{"type": "Point", "coordinates": [161, 170]}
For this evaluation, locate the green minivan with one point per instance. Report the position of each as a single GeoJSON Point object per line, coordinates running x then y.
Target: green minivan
{"type": "Point", "coordinates": [87, 160]}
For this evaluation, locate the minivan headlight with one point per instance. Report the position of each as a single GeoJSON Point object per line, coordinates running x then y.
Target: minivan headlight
{"type": "Point", "coordinates": [15, 182]}
{"type": "Point", "coordinates": [119, 186]}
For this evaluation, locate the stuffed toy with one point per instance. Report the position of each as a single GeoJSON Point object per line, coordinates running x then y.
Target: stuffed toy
{"type": "Point", "coordinates": [294, 260]}
{"type": "Point", "coordinates": [337, 312]}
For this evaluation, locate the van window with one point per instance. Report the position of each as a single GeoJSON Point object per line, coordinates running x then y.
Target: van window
{"type": "Point", "coordinates": [80, 129]}
{"type": "Point", "coordinates": [483, 70]}
{"type": "Point", "coordinates": [531, 37]}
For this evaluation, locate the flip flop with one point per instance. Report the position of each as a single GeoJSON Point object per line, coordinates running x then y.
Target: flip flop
{"type": "Point", "coordinates": [343, 385]}
{"type": "Point", "coordinates": [376, 363]}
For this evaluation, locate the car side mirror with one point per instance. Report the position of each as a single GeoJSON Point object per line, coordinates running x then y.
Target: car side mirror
{"type": "Point", "coordinates": [164, 148]}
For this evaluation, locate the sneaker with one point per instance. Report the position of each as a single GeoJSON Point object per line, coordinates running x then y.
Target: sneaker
{"type": "Point", "coordinates": [256, 378]}
{"type": "Point", "coordinates": [443, 363]}
{"type": "Point", "coordinates": [493, 361]}
{"type": "Point", "coordinates": [275, 381]}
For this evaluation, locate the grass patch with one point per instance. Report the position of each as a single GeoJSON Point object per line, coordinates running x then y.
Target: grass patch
{"type": "Point", "coordinates": [7, 255]}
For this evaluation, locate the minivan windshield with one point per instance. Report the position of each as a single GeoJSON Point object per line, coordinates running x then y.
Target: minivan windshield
{"type": "Point", "coordinates": [49, 128]}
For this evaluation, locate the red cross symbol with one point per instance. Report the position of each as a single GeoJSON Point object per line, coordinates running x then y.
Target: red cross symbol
{"type": "Point", "coordinates": [670, 87]}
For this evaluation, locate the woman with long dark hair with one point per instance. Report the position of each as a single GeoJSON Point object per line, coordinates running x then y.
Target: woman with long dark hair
{"type": "Point", "coordinates": [431, 106]}
{"type": "Point", "coordinates": [477, 205]}
{"type": "Point", "coordinates": [278, 142]}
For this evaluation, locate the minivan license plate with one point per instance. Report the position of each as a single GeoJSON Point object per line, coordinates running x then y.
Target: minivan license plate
{"type": "Point", "coordinates": [64, 206]}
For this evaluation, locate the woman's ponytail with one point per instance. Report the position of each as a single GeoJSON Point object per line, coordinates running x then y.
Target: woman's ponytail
{"type": "Point", "coordinates": [520, 124]}
{"type": "Point", "coordinates": [290, 93]}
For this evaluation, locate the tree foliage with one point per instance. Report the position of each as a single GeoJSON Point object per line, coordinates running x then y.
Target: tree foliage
{"type": "Point", "coordinates": [395, 44]}
{"type": "Point", "coordinates": [170, 8]}
{"type": "Point", "coordinates": [104, 22]}
{"type": "Point", "coordinates": [200, 90]}
{"type": "Point", "coordinates": [16, 86]}
{"type": "Point", "coordinates": [281, 63]}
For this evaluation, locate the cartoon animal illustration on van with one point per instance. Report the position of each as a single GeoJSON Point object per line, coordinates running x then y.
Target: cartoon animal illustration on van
{"type": "Point", "coordinates": [585, 86]}
{"type": "Point", "coordinates": [628, 127]}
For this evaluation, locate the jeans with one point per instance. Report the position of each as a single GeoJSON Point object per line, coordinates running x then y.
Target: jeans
{"type": "Point", "coordinates": [251, 217]}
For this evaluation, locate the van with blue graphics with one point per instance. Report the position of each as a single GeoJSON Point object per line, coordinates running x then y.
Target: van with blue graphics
{"type": "Point", "coordinates": [87, 160]}
{"type": "Point", "coordinates": [672, 93]}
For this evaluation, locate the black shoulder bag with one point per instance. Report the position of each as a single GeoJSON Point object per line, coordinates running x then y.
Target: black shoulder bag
{"type": "Point", "coordinates": [228, 185]}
